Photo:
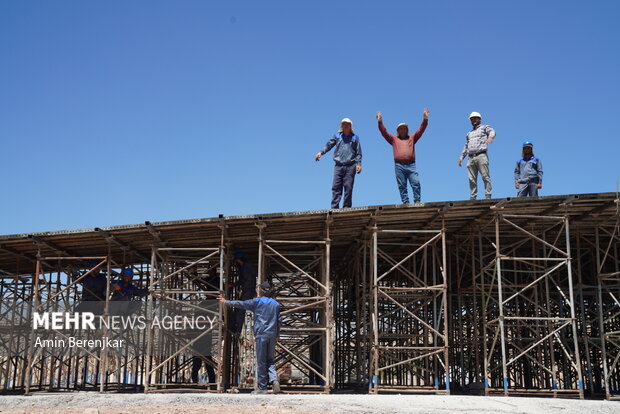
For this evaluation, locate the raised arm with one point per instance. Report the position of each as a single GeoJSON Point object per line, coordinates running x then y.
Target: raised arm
{"type": "Point", "coordinates": [388, 137]}
{"type": "Point", "coordinates": [418, 134]}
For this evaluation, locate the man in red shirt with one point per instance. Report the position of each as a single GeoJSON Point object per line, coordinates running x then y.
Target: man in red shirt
{"type": "Point", "coordinates": [403, 145]}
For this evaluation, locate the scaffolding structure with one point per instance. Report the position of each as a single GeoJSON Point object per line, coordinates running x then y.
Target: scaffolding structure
{"type": "Point", "coordinates": [409, 302]}
{"type": "Point", "coordinates": [494, 297]}
{"type": "Point", "coordinates": [298, 271]}
{"type": "Point", "coordinates": [184, 281]}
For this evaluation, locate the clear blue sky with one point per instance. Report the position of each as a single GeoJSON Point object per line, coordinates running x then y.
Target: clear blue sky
{"type": "Point", "coordinates": [116, 112]}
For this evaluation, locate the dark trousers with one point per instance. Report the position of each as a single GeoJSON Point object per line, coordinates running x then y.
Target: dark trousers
{"type": "Point", "coordinates": [528, 189]}
{"type": "Point", "coordinates": [344, 176]}
{"type": "Point", "coordinates": [265, 352]}
{"type": "Point", "coordinates": [197, 364]}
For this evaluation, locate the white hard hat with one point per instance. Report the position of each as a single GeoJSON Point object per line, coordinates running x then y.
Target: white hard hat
{"type": "Point", "coordinates": [346, 120]}
{"type": "Point", "coordinates": [475, 114]}
{"type": "Point", "coordinates": [402, 124]}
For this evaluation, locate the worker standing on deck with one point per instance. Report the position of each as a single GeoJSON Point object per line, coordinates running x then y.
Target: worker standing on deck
{"type": "Point", "coordinates": [348, 159]}
{"type": "Point", "coordinates": [266, 331]}
{"type": "Point", "coordinates": [403, 145]}
{"type": "Point", "coordinates": [528, 172]}
{"type": "Point", "coordinates": [476, 144]}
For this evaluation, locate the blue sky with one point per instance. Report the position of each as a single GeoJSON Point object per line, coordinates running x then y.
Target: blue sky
{"type": "Point", "coordinates": [116, 112]}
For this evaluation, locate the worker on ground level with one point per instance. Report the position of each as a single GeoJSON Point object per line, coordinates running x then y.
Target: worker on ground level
{"type": "Point", "coordinates": [266, 331]}
{"type": "Point", "coordinates": [476, 144]}
{"type": "Point", "coordinates": [203, 346]}
{"type": "Point", "coordinates": [348, 159]}
{"type": "Point", "coordinates": [403, 146]}
{"type": "Point", "coordinates": [528, 172]}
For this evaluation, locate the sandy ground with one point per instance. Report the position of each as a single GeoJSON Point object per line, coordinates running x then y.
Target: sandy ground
{"type": "Point", "coordinates": [94, 403]}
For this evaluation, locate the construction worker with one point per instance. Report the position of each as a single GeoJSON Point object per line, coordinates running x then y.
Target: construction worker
{"type": "Point", "coordinates": [94, 287]}
{"type": "Point", "coordinates": [94, 284]}
{"type": "Point", "coordinates": [528, 172]}
{"type": "Point", "coordinates": [266, 331]}
{"type": "Point", "coordinates": [123, 293]}
{"type": "Point", "coordinates": [203, 346]}
{"type": "Point", "coordinates": [348, 160]}
{"type": "Point", "coordinates": [247, 282]}
{"type": "Point", "coordinates": [403, 146]}
{"type": "Point", "coordinates": [476, 144]}
{"type": "Point", "coordinates": [125, 289]}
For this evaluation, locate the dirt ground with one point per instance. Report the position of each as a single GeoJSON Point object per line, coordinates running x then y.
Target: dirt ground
{"type": "Point", "coordinates": [95, 403]}
{"type": "Point", "coordinates": [180, 409]}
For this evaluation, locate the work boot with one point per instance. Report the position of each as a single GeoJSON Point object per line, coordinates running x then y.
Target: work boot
{"type": "Point", "coordinates": [259, 392]}
{"type": "Point", "coordinates": [275, 387]}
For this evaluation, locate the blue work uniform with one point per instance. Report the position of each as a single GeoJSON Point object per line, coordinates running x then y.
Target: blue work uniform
{"type": "Point", "coordinates": [128, 291]}
{"type": "Point", "coordinates": [93, 288]}
{"type": "Point", "coordinates": [528, 175]}
{"type": "Point", "coordinates": [347, 156]}
{"type": "Point", "coordinates": [266, 331]}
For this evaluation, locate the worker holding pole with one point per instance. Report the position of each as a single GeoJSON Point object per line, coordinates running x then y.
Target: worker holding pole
{"type": "Point", "coordinates": [266, 331]}
{"type": "Point", "coordinates": [528, 172]}
{"type": "Point", "coordinates": [348, 159]}
{"type": "Point", "coordinates": [403, 146]}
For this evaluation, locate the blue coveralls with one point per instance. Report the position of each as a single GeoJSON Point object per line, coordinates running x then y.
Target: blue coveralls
{"type": "Point", "coordinates": [347, 156]}
{"type": "Point", "coordinates": [266, 330]}
{"type": "Point", "coordinates": [528, 174]}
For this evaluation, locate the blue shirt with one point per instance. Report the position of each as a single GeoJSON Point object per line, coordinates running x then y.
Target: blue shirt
{"type": "Point", "coordinates": [94, 288]}
{"type": "Point", "coordinates": [528, 171]}
{"type": "Point", "coordinates": [348, 149]}
{"type": "Point", "coordinates": [121, 291]}
{"type": "Point", "coordinates": [266, 315]}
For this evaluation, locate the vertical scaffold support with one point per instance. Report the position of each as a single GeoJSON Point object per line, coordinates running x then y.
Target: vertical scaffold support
{"type": "Point", "coordinates": [185, 283]}
{"type": "Point", "coordinates": [409, 316]}
{"type": "Point", "coordinates": [607, 238]}
{"type": "Point", "coordinates": [530, 310]}
{"type": "Point", "coordinates": [298, 271]}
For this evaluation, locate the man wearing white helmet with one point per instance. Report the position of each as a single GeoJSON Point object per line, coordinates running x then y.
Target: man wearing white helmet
{"type": "Point", "coordinates": [403, 146]}
{"type": "Point", "coordinates": [348, 159]}
{"type": "Point", "coordinates": [476, 143]}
